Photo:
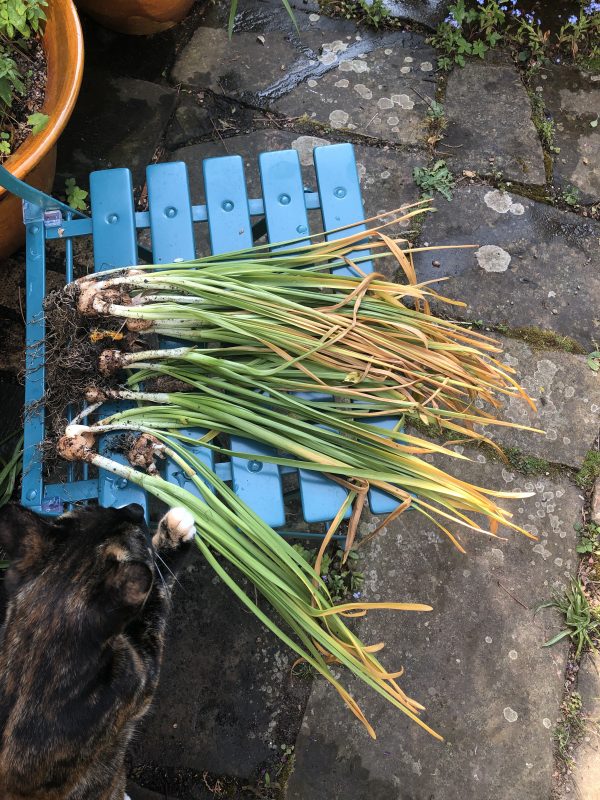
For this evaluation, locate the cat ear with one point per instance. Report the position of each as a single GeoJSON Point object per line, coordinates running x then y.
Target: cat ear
{"type": "Point", "coordinates": [129, 582]}
{"type": "Point", "coordinates": [22, 532]}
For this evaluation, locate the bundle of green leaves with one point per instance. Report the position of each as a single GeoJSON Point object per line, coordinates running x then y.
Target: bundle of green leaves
{"type": "Point", "coordinates": [21, 21]}
{"type": "Point", "coordinates": [281, 348]}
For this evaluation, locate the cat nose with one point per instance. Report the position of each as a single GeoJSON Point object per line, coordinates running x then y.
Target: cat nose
{"type": "Point", "coordinates": [133, 512]}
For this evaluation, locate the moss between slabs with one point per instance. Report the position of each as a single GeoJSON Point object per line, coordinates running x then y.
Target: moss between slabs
{"type": "Point", "coordinates": [589, 471]}
{"type": "Point", "coordinates": [528, 465]}
{"type": "Point", "coordinates": [542, 339]}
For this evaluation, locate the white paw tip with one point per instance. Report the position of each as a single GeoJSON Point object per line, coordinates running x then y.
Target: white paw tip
{"type": "Point", "coordinates": [181, 522]}
{"type": "Point", "coordinates": [127, 797]}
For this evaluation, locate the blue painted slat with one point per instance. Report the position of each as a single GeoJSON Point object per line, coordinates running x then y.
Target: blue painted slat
{"type": "Point", "coordinates": [283, 196]}
{"type": "Point", "coordinates": [381, 502]}
{"type": "Point", "coordinates": [56, 494]}
{"type": "Point", "coordinates": [170, 209]}
{"type": "Point", "coordinates": [341, 204]}
{"type": "Point", "coordinates": [113, 219]}
{"type": "Point", "coordinates": [285, 210]}
{"type": "Point", "coordinates": [115, 245]}
{"type": "Point", "coordinates": [256, 482]}
{"type": "Point", "coordinates": [227, 204]}
{"type": "Point", "coordinates": [83, 227]}
{"type": "Point", "coordinates": [32, 485]}
{"type": "Point", "coordinates": [174, 474]}
{"type": "Point", "coordinates": [339, 192]}
{"type": "Point", "coordinates": [172, 229]}
{"type": "Point", "coordinates": [170, 218]}
{"type": "Point", "coordinates": [117, 492]}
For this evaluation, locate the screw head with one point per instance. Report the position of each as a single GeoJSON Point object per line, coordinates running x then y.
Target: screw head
{"type": "Point", "coordinates": [112, 219]}
{"type": "Point", "coordinates": [227, 205]}
{"type": "Point", "coordinates": [122, 483]}
{"type": "Point", "coordinates": [32, 494]}
{"type": "Point", "coordinates": [254, 466]}
{"type": "Point", "coordinates": [301, 229]}
{"type": "Point", "coordinates": [170, 212]}
{"type": "Point", "coordinates": [340, 192]}
{"type": "Point", "coordinates": [285, 199]}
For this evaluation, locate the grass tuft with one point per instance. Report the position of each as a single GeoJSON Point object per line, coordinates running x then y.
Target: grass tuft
{"type": "Point", "coordinates": [582, 620]}
{"type": "Point", "coordinates": [570, 729]}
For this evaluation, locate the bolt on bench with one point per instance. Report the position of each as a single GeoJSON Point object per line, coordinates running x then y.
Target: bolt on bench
{"type": "Point", "coordinates": [114, 225]}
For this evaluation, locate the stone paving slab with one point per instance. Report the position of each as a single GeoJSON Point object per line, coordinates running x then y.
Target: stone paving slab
{"type": "Point", "coordinates": [534, 265]}
{"type": "Point", "coordinates": [264, 45]}
{"type": "Point", "coordinates": [426, 12]}
{"type": "Point", "coordinates": [567, 395]}
{"type": "Point", "coordinates": [336, 74]}
{"type": "Point", "coordinates": [191, 120]}
{"type": "Point", "coordinates": [584, 780]}
{"type": "Point", "coordinates": [237, 704]}
{"type": "Point", "coordinates": [476, 661]}
{"type": "Point", "coordinates": [489, 127]}
{"type": "Point", "coordinates": [572, 99]}
{"type": "Point", "coordinates": [202, 63]}
{"type": "Point", "coordinates": [117, 122]}
{"type": "Point", "coordinates": [385, 175]}
{"type": "Point", "coordinates": [382, 93]}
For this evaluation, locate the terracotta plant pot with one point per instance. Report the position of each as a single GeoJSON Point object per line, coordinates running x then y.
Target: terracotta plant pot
{"type": "Point", "coordinates": [137, 17]}
{"type": "Point", "coordinates": [35, 159]}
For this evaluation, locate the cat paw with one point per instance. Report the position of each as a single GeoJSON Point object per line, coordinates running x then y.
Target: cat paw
{"type": "Point", "coordinates": [180, 524]}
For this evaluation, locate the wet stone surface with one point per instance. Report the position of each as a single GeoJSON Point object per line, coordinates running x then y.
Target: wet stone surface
{"type": "Point", "coordinates": [572, 99]}
{"type": "Point", "coordinates": [475, 661]}
{"type": "Point", "coordinates": [533, 264]}
{"type": "Point", "coordinates": [201, 63]}
{"type": "Point", "coordinates": [489, 122]}
{"type": "Point", "coordinates": [383, 93]}
{"type": "Point", "coordinates": [567, 395]}
{"type": "Point", "coordinates": [338, 76]}
{"type": "Point", "coordinates": [191, 121]}
{"type": "Point", "coordinates": [264, 35]}
{"type": "Point", "coordinates": [118, 122]}
{"type": "Point", "coordinates": [426, 12]}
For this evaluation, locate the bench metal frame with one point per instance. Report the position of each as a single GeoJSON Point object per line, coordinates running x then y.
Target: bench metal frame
{"type": "Point", "coordinates": [114, 225]}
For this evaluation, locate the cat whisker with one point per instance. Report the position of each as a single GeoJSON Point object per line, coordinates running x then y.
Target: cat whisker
{"type": "Point", "coordinates": [160, 575]}
{"type": "Point", "coordinates": [176, 579]}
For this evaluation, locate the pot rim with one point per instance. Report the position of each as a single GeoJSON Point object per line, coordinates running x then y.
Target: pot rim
{"type": "Point", "coordinates": [29, 154]}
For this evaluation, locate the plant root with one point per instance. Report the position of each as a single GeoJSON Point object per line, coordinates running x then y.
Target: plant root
{"type": "Point", "coordinates": [143, 453]}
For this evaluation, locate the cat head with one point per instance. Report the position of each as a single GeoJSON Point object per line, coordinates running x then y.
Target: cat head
{"type": "Point", "coordinates": [92, 566]}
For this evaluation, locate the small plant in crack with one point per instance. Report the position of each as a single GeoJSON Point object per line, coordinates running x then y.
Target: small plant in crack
{"type": "Point", "coordinates": [590, 470]}
{"type": "Point", "coordinates": [436, 178]}
{"type": "Point", "coordinates": [373, 13]}
{"type": "Point", "coordinates": [570, 729]}
{"type": "Point", "coordinates": [581, 619]}
{"type": "Point", "coordinates": [544, 124]}
{"type": "Point", "coordinates": [436, 110]}
{"type": "Point", "coordinates": [571, 197]}
{"type": "Point", "coordinates": [589, 539]}
{"type": "Point", "coordinates": [343, 578]}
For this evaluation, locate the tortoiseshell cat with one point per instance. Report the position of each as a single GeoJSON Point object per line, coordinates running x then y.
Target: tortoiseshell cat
{"type": "Point", "coordinates": [81, 645]}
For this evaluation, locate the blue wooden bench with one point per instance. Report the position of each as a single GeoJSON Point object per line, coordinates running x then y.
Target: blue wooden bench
{"type": "Point", "coordinates": [114, 225]}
